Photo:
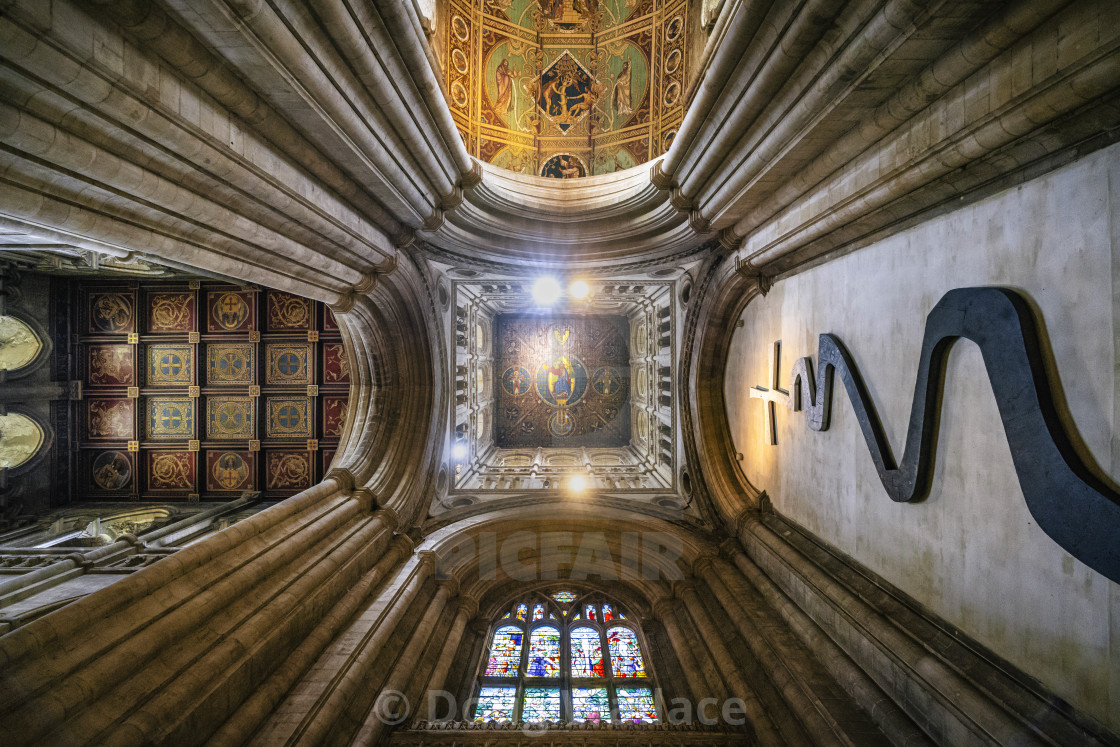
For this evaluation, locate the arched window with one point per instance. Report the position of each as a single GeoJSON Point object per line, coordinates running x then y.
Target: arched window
{"type": "Point", "coordinates": [565, 657]}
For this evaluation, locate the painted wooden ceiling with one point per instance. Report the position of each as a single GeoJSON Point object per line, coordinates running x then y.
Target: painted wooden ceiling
{"type": "Point", "coordinates": [566, 88]}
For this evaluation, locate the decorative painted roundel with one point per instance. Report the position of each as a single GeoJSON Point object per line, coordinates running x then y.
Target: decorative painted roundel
{"type": "Point", "coordinates": [516, 380]}
{"type": "Point", "coordinates": [563, 382]}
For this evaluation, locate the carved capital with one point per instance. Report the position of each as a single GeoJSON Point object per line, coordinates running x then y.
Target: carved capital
{"type": "Point", "coordinates": [451, 200]}
{"type": "Point", "coordinates": [344, 304]}
{"type": "Point", "coordinates": [402, 543]}
{"type": "Point", "coordinates": [433, 221]}
{"type": "Point", "coordinates": [664, 608]}
{"type": "Point", "coordinates": [427, 557]}
{"type": "Point", "coordinates": [698, 222]}
{"type": "Point", "coordinates": [679, 201]}
{"type": "Point", "coordinates": [451, 584]}
{"type": "Point", "coordinates": [748, 270]}
{"type": "Point", "coordinates": [391, 518]}
{"type": "Point", "coordinates": [466, 606]}
{"type": "Point", "coordinates": [365, 497]}
{"type": "Point", "coordinates": [366, 284]}
{"type": "Point", "coordinates": [731, 546]}
{"type": "Point", "coordinates": [729, 241]}
{"type": "Point", "coordinates": [704, 563]}
{"type": "Point", "coordinates": [473, 177]}
{"type": "Point", "coordinates": [683, 589]}
{"type": "Point", "coordinates": [343, 476]}
{"type": "Point", "coordinates": [658, 177]}
{"type": "Point", "coordinates": [745, 517]}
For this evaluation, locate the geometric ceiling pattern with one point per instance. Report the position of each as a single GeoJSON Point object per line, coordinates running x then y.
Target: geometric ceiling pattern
{"type": "Point", "coordinates": [566, 88]}
{"type": "Point", "coordinates": [196, 390]}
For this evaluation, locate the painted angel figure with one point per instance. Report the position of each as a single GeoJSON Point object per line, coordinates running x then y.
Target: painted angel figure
{"type": "Point", "coordinates": [621, 95]}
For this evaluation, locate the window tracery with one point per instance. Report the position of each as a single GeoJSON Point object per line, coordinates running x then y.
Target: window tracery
{"type": "Point", "coordinates": [573, 658]}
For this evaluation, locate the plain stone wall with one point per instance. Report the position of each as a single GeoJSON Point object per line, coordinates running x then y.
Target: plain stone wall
{"type": "Point", "coordinates": [971, 552]}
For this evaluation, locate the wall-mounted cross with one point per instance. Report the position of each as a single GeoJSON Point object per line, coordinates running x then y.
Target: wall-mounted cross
{"type": "Point", "coordinates": [774, 395]}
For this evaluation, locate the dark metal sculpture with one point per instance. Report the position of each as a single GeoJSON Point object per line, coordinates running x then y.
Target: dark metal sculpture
{"type": "Point", "coordinates": [1064, 493]}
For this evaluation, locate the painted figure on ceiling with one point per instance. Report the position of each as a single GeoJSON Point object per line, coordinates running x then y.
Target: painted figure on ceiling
{"type": "Point", "coordinates": [504, 76]}
{"type": "Point", "coordinates": [622, 91]}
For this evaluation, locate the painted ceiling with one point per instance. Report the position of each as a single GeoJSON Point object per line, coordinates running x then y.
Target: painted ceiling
{"type": "Point", "coordinates": [195, 390]}
{"type": "Point", "coordinates": [562, 381]}
{"type": "Point", "coordinates": [566, 88]}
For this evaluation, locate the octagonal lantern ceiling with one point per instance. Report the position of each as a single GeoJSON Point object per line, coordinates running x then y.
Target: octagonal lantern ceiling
{"type": "Point", "coordinates": [566, 88]}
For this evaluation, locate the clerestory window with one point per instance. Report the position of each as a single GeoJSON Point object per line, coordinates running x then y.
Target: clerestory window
{"type": "Point", "coordinates": [565, 657]}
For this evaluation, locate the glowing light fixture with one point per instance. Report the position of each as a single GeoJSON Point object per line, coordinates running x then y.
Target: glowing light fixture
{"type": "Point", "coordinates": [459, 451]}
{"type": "Point", "coordinates": [577, 484]}
{"type": "Point", "coordinates": [546, 291]}
{"type": "Point", "coordinates": [579, 290]}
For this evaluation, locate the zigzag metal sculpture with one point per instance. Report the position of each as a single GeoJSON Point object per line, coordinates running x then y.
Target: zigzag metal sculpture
{"type": "Point", "coordinates": [1074, 506]}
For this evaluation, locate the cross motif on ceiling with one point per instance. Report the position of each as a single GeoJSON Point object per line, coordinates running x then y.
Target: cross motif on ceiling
{"type": "Point", "coordinates": [772, 395]}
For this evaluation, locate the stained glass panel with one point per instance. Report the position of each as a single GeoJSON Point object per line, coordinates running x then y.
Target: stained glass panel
{"type": "Point", "coordinates": [505, 652]}
{"type": "Point", "coordinates": [608, 613]}
{"type": "Point", "coordinates": [589, 610]}
{"type": "Point", "coordinates": [495, 704]}
{"type": "Point", "coordinates": [541, 704]}
{"type": "Point", "coordinates": [544, 652]}
{"type": "Point", "coordinates": [538, 612]}
{"type": "Point", "coordinates": [587, 653]}
{"type": "Point", "coordinates": [626, 656]}
{"type": "Point", "coordinates": [636, 704]}
{"type": "Point", "coordinates": [522, 611]}
{"type": "Point", "coordinates": [564, 597]}
{"type": "Point", "coordinates": [590, 704]}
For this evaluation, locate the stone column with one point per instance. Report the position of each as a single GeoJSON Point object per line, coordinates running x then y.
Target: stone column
{"type": "Point", "coordinates": [665, 610]}
{"type": "Point", "coordinates": [388, 709]}
{"type": "Point", "coordinates": [765, 732]}
{"type": "Point", "coordinates": [802, 704]}
{"type": "Point", "coordinates": [466, 610]}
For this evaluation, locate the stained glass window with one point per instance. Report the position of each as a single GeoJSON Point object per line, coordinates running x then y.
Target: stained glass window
{"type": "Point", "coordinates": [544, 652]}
{"type": "Point", "coordinates": [587, 653]}
{"type": "Point", "coordinates": [626, 656]}
{"type": "Point", "coordinates": [590, 704]}
{"type": "Point", "coordinates": [559, 655]}
{"type": "Point", "coordinates": [505, 652]}
{"type": "Point", "coordinates": [636, 704]}
{"type": "Point", "coordinates": [541, 704]}
{"type": "Point", "coordinates": [495, 704]}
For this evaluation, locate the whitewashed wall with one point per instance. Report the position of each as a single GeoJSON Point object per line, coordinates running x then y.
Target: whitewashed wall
{"type": "Point", "coordinates": [971, 552]}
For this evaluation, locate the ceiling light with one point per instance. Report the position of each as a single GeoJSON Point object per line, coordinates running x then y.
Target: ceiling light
{"type": "Point", "coordinates": [546, 291]}
{"type": "Point", "coordinates": [579, 290]}
{"type": "Point", "coordinates": [459, 451]}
